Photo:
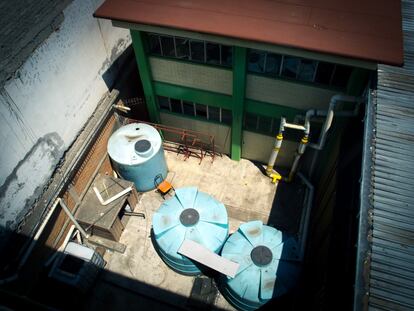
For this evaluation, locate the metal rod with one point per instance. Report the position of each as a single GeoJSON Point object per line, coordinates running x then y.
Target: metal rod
{"type": "Point", "coordinates": [77, 225]}
{"type": "Point", "coordinates": [306, 218]}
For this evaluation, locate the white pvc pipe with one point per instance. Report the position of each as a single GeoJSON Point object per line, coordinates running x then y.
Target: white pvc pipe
{"type": "Point", "coordinates": [113, 198]}
{"type": "Point", "coordinates": [276, 148]}
{"type": "Point", "coordinates": [330, 115]}
{"type": "Point", "coordinates": [328, 122]}
{"type": "Point", "coordinates": [37, 235]}
{"type": "Point", "coordinates": [295, 126]}
{"type": "Point", "coordinates": [62, 247]}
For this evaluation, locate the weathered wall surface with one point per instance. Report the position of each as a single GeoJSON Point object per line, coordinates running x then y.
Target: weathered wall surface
{"type": "Point", "coordinates": [48, 100]}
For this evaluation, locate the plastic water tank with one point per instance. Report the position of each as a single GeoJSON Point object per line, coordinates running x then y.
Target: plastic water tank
{"type": "Point", "coordinates": [192, 215]}
{"type": "Point", "coordinates": [268, 266]}
{"type": "Point", "coordinates": [137, 154]}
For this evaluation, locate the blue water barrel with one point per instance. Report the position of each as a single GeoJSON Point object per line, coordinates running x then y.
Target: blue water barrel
{"type": "Point", "coordinates": [137, 154]}
{"type": "Point", "coordinates": [192, 215]}
{"type": "Point", "coordinates": [268, 265]}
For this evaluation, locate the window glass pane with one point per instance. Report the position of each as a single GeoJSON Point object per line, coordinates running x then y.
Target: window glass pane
{"type": "Point", "coordinates": [163, 103]}
{"type": "Point", "coordinates": [214, 113]}
{"type": "Point", "coordinates": [201, 111]}
{"type": "Point", "coordinates": [265, 124]}
{"type": "Point", "coordinates": [226, 55]}
{"type": "Point", "coordinates": [225, 116]}
{"type": "Point", "coordinates": [197, 50]}
{"type": "Point", "coordinates": [154, 44]}
{"type": "Point", "coordinates": [256, 61]}
{"type": "Point", "coordinates": [167, 44]}
{"type": "Point", "coordinates": [213, 53]}
{"type": "Point", "coordinates": [324, 73]}
{"type": "Point", "coordinates": [307, 70]}
{"type": "Point", "coordinates": [250, 121]}
{"type": "Point", "coordinates": [182, 46]}
{"type": "Point", "coordinates": [175, 105]}
{"type": "Point", "coordinates": [341, 76]}
{"type": "Point", "coordinates": [273, 64]}
{"type": "Point", "coordinates": [290, 66]}
{"type": "Point", "coordinates": [188, 108]}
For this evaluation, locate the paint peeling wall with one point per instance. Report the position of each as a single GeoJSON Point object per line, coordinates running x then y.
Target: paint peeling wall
{"type": "Point", "coordinates": [47, 102]}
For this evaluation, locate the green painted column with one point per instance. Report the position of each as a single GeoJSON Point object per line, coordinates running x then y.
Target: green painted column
{"type": "Point", "coordinates": [145, 73]}
{"type": "Point", "coordinates": [239, 90]}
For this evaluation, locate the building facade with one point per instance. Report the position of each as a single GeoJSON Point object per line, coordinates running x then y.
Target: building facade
{"type": "Point", "coordinates": [238, 90]}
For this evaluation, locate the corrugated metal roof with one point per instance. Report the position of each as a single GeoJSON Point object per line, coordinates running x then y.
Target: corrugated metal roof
{"type": "Point", "coordinates": [388, 273]}
{"type": "Point", "coordinates": [361, 29]}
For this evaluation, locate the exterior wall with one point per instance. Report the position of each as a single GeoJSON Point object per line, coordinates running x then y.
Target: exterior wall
{"type": "Point", "coordinates": [247, 95]}
{"type": "Point", "coordinates": [49, 100]}
{"type": "Point", "coordinates": [293, 94]}
{"type": "Point", "coordinates": [222, 133]}
{"type": "Point", "coordinates": [191, 75]}
{"type": "Point", "coordinates": [257, 147]}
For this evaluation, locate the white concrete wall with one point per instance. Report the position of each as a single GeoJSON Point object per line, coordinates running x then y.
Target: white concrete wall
{"type": "Point", "coordinates": [51, 97]}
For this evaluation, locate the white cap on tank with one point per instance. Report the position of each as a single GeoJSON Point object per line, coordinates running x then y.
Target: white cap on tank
{"type": "Point", "coordinates": [134, 144]}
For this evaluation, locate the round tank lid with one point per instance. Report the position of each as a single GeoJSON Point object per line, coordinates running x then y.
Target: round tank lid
{"type": "Point", "coordinates": [261, 255]}
{"type": "Point", "coordinates": [189, 217]}
{"type": "Point", "coordinates": [143, 147]}
{"type": "Point", "coordinates": [268, 262]}
{"type": "Point", "coordinates": [134, 144]}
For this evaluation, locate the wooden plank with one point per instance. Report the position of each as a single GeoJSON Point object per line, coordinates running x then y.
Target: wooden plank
{"type": "Point", "coordinates": [92, 212]}
{"type": "Point", "coordinates": [201, 254]}
{"type": "Point", "coordinates": [108, 244]}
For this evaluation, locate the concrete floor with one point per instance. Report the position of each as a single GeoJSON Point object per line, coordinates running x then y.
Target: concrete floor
{"type": "Point", "coordinates": [140, 272]}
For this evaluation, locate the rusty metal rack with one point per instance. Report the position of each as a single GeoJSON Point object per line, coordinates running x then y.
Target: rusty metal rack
{"type": "Point", "coordinates": [187, 142]}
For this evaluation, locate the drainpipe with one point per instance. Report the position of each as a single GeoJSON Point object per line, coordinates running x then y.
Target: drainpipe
{"type": "Point", "coordinates": [31, 245]}
{"type": "Point", "coordinates": [270, 172]}
{"type": "Point", "coordinates": [301, 150]}
{"type": "Point", "coordinates": [39, 233]}
{"type": "Point", "coordinates": [304, 224]}
{"type": "Point", "coordinates": [335, 100]}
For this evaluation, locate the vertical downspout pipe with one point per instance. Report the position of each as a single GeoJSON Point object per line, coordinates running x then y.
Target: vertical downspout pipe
{"type": "Point", "coordinates": [39, 232]}
{"type": "Point", "coordinates": [300, 151]}
{"type": "Point", "coordinates": [330, 115]}
{"type": "Point", "coordinates": [32, 244]}
{"type": "Point", "coordinates": [304, 226]}
{"type": "Point", "coordinates": [328, 122]}
{"type": "Point", "coordinates": [273, 156]}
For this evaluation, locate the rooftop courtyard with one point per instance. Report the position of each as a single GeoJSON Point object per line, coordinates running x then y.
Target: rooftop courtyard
{"type": "Point", "coordinates": [139, 272]}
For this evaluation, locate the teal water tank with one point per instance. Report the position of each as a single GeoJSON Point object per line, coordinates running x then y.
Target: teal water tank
{"type": "Point", "coordinates": [191, 215]}
{"type": "Point", "coordinates": [268, 265]}
{"type": "Point", "coordinates": [137, 155]}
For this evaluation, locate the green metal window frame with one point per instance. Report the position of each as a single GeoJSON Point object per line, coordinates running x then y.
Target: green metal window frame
{"type": "Point", "coordinates": [271, 110]}
{"type": "Point", "coordinates": [193, 95]}
{"type": "Point", "coordinates": [195, 117]}
{"type": "Point", "coordinates": [138, 43]}
{"type": "Point", "coordinates": [239, 93]}
{"type": "Point", "coordinates": [148, 52]}
{"type": "Point", "coordinates": [238, 104]}
{"type": "Point", "coordinates": [296, 80]}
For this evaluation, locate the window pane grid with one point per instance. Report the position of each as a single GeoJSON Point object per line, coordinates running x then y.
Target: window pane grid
{"type": "Point", "coordinates": [190, 49]}
{"type": "Point", "coordinates": [261, 124]}
{"type": "Point", "coordinates": [296, 68]}
{"type": "Point", "coordinates": [200, 111]}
